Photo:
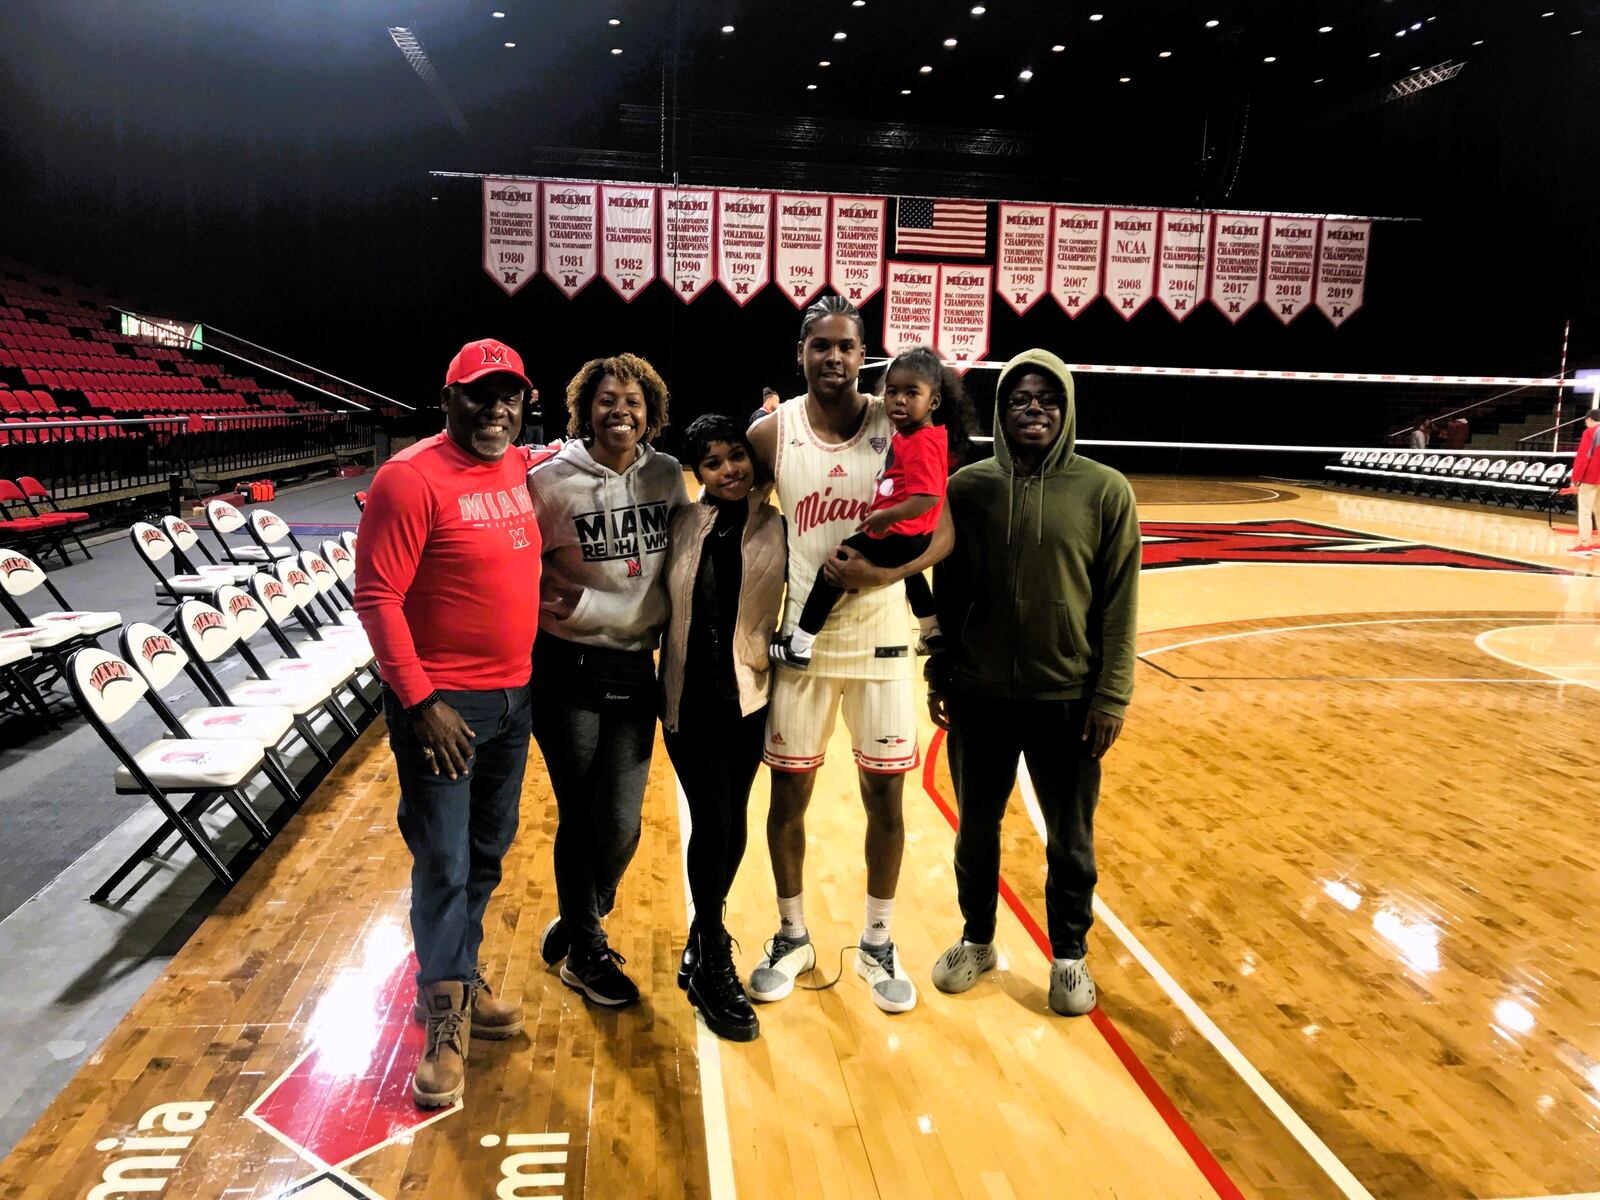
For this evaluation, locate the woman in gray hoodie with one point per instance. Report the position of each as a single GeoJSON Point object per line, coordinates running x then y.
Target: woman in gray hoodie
{"type": "Point", "coordinates": [604, 503]}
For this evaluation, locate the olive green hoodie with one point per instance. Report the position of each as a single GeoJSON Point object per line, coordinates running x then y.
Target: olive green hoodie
{"type": "Point", "coordinates": [1039, 598]}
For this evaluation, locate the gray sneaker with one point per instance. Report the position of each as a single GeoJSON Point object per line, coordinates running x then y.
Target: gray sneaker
{"type": "Point", "coordinates": [773, 977]}
{"type": "Point", "coordinates": [892, 989]}
{"type": "Point", "coordinates": [958, 968]}
{"type": "Point", "coordinates": [1071, 987]}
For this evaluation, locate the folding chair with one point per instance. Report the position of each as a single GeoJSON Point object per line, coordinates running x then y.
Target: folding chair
{"type": "Point", "coordinates": [56, 633]}
{"type": "Point", "coordinates": [32, 532]}
{"type": "Point", "coordinates": [343, 561]}
{"type": "Point", "coordinates": [270, 532]}
{"type": "Point", "coordinates": [336, 601]}
{"type": "Point", "coordinates": [194, 555]}
{"type": "Point", "coordinates": [154, 547]}
{"type": "Point", "coordinates": [106, 688]}
{"type": "Point", "coordinates": [209, 635]}
{"type": "Point", "coordinates": [224, 519]}
{"type": "Point", "coordinates": [35, 494]}
{"type": "Point", "coordinates": [159, 658]}
{"type": "Point", "coordinates": [347, 539]}
{"type": "Point", "coordinates": [336, 650]}
{"type": "Point", "coordinates": [19, 691]}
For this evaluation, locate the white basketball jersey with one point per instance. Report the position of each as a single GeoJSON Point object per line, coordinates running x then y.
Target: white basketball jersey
{"type": "Point", "coordinates": [824, 490]}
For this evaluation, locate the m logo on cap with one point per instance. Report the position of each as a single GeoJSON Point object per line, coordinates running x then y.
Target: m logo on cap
{"type": "Point", "coordinates": [494, 353]}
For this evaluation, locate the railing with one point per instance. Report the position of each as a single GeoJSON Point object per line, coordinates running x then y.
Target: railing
{"type": "Point", "coordinates": [105, 460]}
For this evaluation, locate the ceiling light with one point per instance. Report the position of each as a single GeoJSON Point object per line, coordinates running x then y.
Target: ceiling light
{"type": "Point", "coordinates": [511, 45]}
{"type": "Point", "coordinates": [1213, 23]}
{"type": "Point", "coordinates": [1024, 75]}
{"type": "Point", "coordinates": [1375, 54]}
{"type": "Point", "coordinates": [616, 49]}
{"type": "Point", "coordinates": [1057, 48]}
{"type": "Point", "coordinates": [1125, 79]}
{"type": "Point", "coordinates": [949, 42]}
{"type": "Point", "coordinates": [1576, 32]}
{"type": "Point", "coordinates": [1324, 28]}
{"type": "Point", "coordinates": [1551, 13]}
{"type": "Point", "coordinates": [1165, 54]}
{"type": "Point", "coordinates": [1479, 42]}
{"type": "Point", "coordinates": [978, 10]}
{"type": "Point", "coordinates": [1096, 16]}
{"type": "Point", "coordinates": [811, 87]}
{"type": "Point", "coordinates": [497, 14]}
{"type": "Point", "coordinates": [926, 70]}
{"type": "Point", "coordinates": [1317, 81]}
{"type": "Point", "coordinates": [1270, 58]}
{"type": "Point", "coordinates": [858, 3]}
{"type": "Point", "coordinates": [613, 21]}
{"type": "Point", "coordinates": [1416, 25]}
{"type": "Point", "coordinates": [1417, 68]}
{"type": "Point", "coordinates": [999, 95]}
{"type": "Point", "coordinates": [1399, 33]}
{"type": "Point", "coordinates": [840, 36]}
{"type": "Point", "coordinates": [1433, 18]}
{"type": "Point", "coordinates": [825, 63]}
{"type": "Point", "coordinates": [905, 91]}
{"type": "Point", "coordinates": [727, 29]}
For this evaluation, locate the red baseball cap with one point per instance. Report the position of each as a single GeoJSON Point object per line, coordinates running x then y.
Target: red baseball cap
{"type": "Point", "coordinates": [484, 357]}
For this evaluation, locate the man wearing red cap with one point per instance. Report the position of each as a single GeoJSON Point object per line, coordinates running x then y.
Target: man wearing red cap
{"type": "Point", "coordinates": [447, 586]}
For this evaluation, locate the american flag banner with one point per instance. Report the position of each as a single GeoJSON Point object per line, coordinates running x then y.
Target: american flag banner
{"type": "Point", "coordinates": [958, 227]}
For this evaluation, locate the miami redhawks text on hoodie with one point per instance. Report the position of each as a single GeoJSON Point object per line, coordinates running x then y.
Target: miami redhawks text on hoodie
{"type": "Point", "coordinates": [447, 570]}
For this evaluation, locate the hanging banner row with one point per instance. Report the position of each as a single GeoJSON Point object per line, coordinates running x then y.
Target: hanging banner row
{"type": "Point", "coordinates": [692, 238]}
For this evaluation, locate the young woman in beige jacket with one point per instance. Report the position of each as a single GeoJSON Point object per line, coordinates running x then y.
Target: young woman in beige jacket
{"type": "Point", "coordinates": [725, 572]}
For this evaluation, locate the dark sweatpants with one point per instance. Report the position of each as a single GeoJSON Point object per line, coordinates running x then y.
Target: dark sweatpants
{"type": "Point", "coordinates": [987, 735]}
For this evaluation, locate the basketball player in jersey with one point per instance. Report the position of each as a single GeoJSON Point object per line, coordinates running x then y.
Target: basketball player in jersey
{"type": "Point", "coordinates": [826, 449]}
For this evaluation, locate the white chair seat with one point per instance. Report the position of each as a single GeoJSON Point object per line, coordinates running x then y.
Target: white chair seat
{"type": "Point", "coordinates": [14, 649]}
{"type": "Point", "coordinates": [330, 673]}
{"type": "Point", "coordinates": [350, 619]}
{"type": "Point", "coordinates": [226, 572]}
{"type": "Point", "coordinates": [299, 696]}
{"type": "Point", "coordinates": [43, 636]}
{"type": "Point", "coordinates": [248, 553]}
{"type": "Point", "coordinates": [183, 764]}
{"type": "Point", "coordinates": [192, 585]}
{"type": "Point", "coordinates": [265, 725]}
{"type": "Point", "coordinates": [80, 622]}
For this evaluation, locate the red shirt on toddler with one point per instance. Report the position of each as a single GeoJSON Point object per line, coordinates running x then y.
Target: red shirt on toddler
{"type": "Point", "coordinates": [918, 465]}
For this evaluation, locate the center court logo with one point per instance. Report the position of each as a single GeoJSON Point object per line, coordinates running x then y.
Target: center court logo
{"type": "Point", "coordinates": [1303, 543]}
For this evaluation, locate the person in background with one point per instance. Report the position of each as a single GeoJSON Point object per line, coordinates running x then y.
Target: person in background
{"type": "Point", "coordinates": [1039, 605]}
{"type": "Point", "coordinates": [1417, 436]}
{"type": "Point", "coordinates": [769, 405]}
{"type": "Point", "coordinates": [725, 568]}
{"type": "Point", "coordinates": [604, 501]}
{"type": "Point", "coordinates": [1586, 481]}
{"type": "Point", "coordinates": [447, 568]}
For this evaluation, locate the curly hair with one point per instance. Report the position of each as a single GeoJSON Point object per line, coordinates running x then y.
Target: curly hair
{"type": "Point", "coordinates": [954, 413]}
{"type": "Point", "coordinates": [626, 368]}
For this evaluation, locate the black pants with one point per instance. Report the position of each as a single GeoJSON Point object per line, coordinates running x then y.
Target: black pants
{"type": "Point", "coordinates": [892, 550]}
{"type": "Point", "coordinates": [986, 738]}
{"type": "Point", "coordinates": [598, 754]}
{"type": "Point", "coordinates": [715, 752]}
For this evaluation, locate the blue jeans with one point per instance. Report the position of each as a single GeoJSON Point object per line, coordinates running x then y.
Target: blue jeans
{"type": "Point", "coordinates": [458, 830]}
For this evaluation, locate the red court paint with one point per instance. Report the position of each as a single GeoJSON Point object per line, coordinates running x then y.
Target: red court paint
{"type": "Point", "coordinates": [1202, 1157]}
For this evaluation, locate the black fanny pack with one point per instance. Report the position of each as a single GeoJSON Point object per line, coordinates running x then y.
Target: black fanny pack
{"type": "Point", "coordinates": [612, 676]}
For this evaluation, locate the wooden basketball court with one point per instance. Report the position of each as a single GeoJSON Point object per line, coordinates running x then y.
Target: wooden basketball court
{"type": "Point", "coordinates": [1345, 946]}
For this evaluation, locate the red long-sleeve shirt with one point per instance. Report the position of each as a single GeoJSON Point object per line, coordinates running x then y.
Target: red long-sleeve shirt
{"type": "Point", "coordinates": [1586, 463]}
{"type": "Point", "coordinates": [447, 570]}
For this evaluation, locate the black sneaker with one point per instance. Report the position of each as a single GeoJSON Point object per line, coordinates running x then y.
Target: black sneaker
{"type": "Point", "coordinates": [781, 653]}
{"type": "Point", "coordinates": [600, 978]}
{"type": "Point", "coordinates": [930, 645]}
{"type": "Point", "coordinates": [686, 962]}
{"type": "Point", "coordinates": [554, 944]}
{"type": "Point", "coordinates": [715, 991]}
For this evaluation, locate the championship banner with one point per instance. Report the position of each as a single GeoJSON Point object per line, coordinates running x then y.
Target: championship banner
{"type": "Point", "coordinates": [964, 297]}
{"type": "Point", "coordinates": [571, 235]}
{"type": "Point", "coordinates": [1291, 264]}
{"type": "Point", "coordinates": [1024, 255]}
{"type": "Point", "coordinates": [1130, 260]}
{"type": "Point", "coordinates": [1238, 244]}
{"type": "Point", "coordinates": [1181, 268]}
{"type": "Point", "coordinates": [744, 243]}
{"type": "Point", "coordinates": [510, 232]}
{"type": "Point", "coordinates": [801, 256]}
{"type": "Point", "coordinates": [911, 306]}
{"type": "Point", "coordinates": [1342, 268]}
{"type": "Point", "coordinates": [687, 223]}
{"type": "Point", "coordinates": [855, 246]}
{"type": "Point", "coordinates": [1077, 256]}
{"type": "Point", "coordinates": [628, 239]}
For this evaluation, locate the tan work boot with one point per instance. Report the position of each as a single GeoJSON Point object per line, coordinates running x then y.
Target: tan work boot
{"type": "Point", "coordinates": [441, 1077]}
{"type": "Point", "coordinates": [491, 1018]}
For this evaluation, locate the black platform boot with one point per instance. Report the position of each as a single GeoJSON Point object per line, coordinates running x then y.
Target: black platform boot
{"type": "Point", "coordinates": [715, 990]}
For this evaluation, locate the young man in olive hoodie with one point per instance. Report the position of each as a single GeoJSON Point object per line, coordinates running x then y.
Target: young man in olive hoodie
{"type": "Point", "coordinates": [1038, 605]}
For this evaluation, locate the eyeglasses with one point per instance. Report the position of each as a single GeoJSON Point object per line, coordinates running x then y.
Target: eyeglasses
{"type": "Point", "coordinates": [1021, 401]}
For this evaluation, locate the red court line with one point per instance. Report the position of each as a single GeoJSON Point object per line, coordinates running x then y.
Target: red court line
{"type": "Point", "coordinates": [1181, 1129]}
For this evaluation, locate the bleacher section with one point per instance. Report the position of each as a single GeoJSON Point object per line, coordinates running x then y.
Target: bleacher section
{"type": "Point", "coordinates": [68, 377]}
{"type": "Point", "coordinates": [1525, 481]}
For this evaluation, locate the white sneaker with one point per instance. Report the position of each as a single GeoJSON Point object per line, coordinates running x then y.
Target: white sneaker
{"type": "Point", "coordinates": [1072, 987]}
{"type": "Point", "coordinates": [773, 977]}
{"type": "Point", "coordinates": [892, 989]}
{"type": "Point", "coordinates": [958, 968]}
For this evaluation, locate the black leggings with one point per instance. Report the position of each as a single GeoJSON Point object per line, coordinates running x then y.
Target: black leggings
{"type": "Point", "coordinates": [891, 550]}
{"type": "Point", "coordinates": [715, 752]}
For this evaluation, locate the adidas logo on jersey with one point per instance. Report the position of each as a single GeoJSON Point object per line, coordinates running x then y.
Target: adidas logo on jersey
{"type": "Point", "coordinates": [837, 473]}
{"type": "Point", "coordinates": [777, 739]}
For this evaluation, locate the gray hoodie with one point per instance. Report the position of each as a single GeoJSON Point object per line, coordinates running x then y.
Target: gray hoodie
{"type": "Point", "coordinates": [606, 534]}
